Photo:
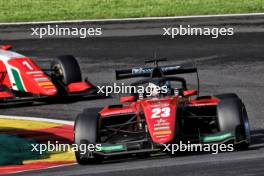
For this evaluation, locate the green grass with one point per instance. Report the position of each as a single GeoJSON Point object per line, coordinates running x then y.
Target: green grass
{"type": "Point", "coordinates": [43, 10]}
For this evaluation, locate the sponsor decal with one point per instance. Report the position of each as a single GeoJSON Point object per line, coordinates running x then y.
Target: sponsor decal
{"type": "Point", "coordinates": [161, 122]}
{"type": "Point", "coordinates": [38, 75]}
{"type": "Point", "coordinates": [162, 137]}
{"type": "Point", "coordinates": [170, 68]}
{"type": "Point", "coordinates": [162, 132]}
{"type": "Point", "coordinates": [161, 128]}
{"type": "Point", "coordinates": [34, 72]}
{"type": "Point", "coordinates": [51, 90]}
{"type": "Point", "coordinates": [48, 87]}
{"type": "Point", "coordinates": [41, 79]}
{"type": "Point", "coordinates": [45, 84]}
{"type": "Point", "coordinates": [141, 70]}
{"type": "Point", "coordinates": [158, 104]}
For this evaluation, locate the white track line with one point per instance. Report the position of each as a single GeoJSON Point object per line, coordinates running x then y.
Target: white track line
{"type": "Point", "coordinates": [51, 167]}
{"type": "Point", "coordinates": [134, 19]}
{"type": "Point", "coordinates": [66, 122]}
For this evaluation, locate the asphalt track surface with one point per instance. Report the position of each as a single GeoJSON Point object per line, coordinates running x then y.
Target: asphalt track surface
{"type": "Point", "coordinates": [227, 64]}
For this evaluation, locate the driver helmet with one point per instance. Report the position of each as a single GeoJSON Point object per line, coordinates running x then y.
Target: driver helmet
{"type": "Point", "coordinates": [168, 84]}
{"type": "Point", "coordinates": [154, 90]}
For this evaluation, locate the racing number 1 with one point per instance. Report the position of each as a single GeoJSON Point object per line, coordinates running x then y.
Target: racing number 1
{"type": "Point", "coordinates": [160, 112]}
{"type": "Point", "coordinates": [27, 64]}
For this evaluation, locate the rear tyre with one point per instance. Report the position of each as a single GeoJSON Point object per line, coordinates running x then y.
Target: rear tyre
{"type": "Point", "coordinates": [67, 69]}
{"type": "Point", "coordinates": [85, 133]}
{"type": "Point", "coordinates": [232, 117]}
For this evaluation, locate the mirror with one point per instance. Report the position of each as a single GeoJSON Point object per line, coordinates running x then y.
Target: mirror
{"type": "Point", "coordinates": [190, 92]}
{"type": "Point", "coordinates": [125, 99]}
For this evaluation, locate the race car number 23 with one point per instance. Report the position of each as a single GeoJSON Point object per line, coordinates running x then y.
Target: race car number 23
{"type": "Point", "coordinates": [160, 112]}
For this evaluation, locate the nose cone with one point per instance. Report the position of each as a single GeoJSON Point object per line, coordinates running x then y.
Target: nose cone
{"type": "Point", "coordinates": [47, 88]}
{"type": "Point", "coordinates": [50, 91]}
{"type": "Point", "coordinates": [161, 117]}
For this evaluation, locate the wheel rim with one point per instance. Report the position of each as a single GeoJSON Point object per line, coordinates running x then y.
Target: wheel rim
{"type": "Point", "coordinates": [58, 70]}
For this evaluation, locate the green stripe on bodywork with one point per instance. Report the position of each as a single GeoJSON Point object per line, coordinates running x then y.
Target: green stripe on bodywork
{"type": "Point", "coordinates": [112, 148]}
{"type": "Point", "coordinates": [18, 80]}
{"type": "Point", "coordinates": [217, 137]}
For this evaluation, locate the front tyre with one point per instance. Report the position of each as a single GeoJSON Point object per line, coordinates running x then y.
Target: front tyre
{"type": "Point", "coordinates": [67, 69]}
{"type": "Point", "coordinates": [232, 117]}
{"type": "Point", "coordinates": [85, 133]}
{"type": "Point", "coordinates": [245, 131]}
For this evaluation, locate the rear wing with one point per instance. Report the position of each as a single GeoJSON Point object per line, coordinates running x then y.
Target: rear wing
{"type": "Point", "coordinates": [146, 71]}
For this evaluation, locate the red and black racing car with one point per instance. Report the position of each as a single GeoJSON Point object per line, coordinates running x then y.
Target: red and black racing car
{"type": "Point", "coordinates": [143, 123]}
{"type": "Point", "coordinates": [21, 80]}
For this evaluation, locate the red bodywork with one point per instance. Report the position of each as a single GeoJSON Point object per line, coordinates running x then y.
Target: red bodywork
{"type": "Point", "coordinates": [20, 74]}
{"type": "Point", "coordinates": [5, 47]}
{"type": "Point", "coordinates": [79, 86]}
{"type": "Point", "coordinates": [34, 79]}
{"type": "Point", "coordinates": [160, 113]}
